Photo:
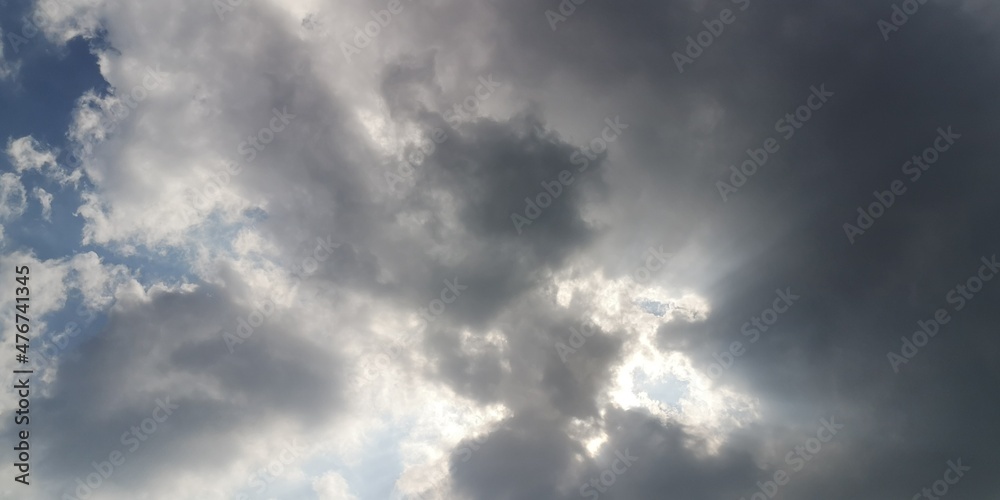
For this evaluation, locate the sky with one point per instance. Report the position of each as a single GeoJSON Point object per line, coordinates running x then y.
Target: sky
{"type": "Point", "coordinates": [499, 250]}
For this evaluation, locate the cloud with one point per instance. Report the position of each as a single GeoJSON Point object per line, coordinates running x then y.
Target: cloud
{"type": "Point", "coordinates": [45, 200]}
{"type": "Point", "coordinates": [327, 213]}
{"type": "Point", "coordinates": [8, 70]}
{"type": "Point", "coordinates": [13, 197]}
{"type": "Point", "coordinates": [28, 154]}
{"type": "Point", "coordinates": [332, 486]}
{"type": "Point", "coordinates": [273, 378]}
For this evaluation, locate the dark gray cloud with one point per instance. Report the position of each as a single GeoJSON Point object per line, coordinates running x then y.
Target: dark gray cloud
{"type": "Point", "coordinates": [827, 356]}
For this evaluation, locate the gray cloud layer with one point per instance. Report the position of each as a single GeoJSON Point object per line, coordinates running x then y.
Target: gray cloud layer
{"type": "Point", "coordinates": [826, 357]}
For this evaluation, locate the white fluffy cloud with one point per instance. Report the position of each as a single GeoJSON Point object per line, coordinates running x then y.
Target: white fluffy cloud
{"type": "Point", "coordinates": [27, 154]}
{"type": "Point", "coordinates": [45, 200]}
{"type": "Point", "coordinates": [13, 197]}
